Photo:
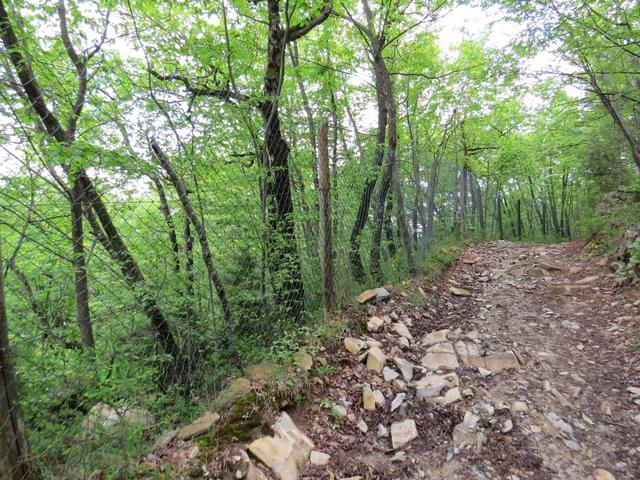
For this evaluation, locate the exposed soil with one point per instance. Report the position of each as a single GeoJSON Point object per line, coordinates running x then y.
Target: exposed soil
{"type": "Point", "coordinates": [579, 336]}
{"type": "Point", "coordinates": [574, 330]}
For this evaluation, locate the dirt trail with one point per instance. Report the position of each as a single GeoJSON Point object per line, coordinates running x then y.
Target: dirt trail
{"type": "Point", "coordinates": [565, 412]}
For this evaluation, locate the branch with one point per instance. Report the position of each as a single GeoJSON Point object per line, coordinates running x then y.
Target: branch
{"type": "Point", "coordinates": [299, 31]}
{"type": "Point", "coordinates": [80, 65]}
{"type": "Point", "coordinates": [203, 91]}
{"type": "Point", "coordinates": [27, 78]}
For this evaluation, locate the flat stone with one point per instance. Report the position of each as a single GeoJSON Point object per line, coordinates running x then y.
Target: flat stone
{"type": "Point", "coordinates": [402, 433]}
{"type": "Point", "coordinates": [319, 458]}
{"type": "Point", "coordinates": [435, 337]}
{"type": "Point", "coordinates": [605, 408]}
{"type": "Point", "coordinates": [507, 426]}
{"type": "Point", "coordinates": [373, 343]}
{"type": "Point", "coordinates": [376, 360]}
{"type": "Point", "coordinates": [434, 361]}
{"type": "Point", "coordinates": [445, 347]}
{"type": "Point", "coordinates": [459, 292]}
{"type": "Point", "coordinates": [397, 401]}
{"type": "Point", "coordinates": [379, 398]}
{"type": "Point", "coordinates": [493, 362]}
{"type": "Point", "coordinates": [354, 345]}
{"type": "Point", "coordinates": [285, 452]}
{"type": "Point", "coordinates": [375, 324]}
{"type": "Point", "coordinates": [199, 426]}
{"type": "Point", "coordinates": [382, 431]}
{"type": "Point", "coordinates": [452, 396]}
{"type": "Point", "coordinates": [562, 400]}
{"type": "Point", "coordinates": [368, 400]}
{"type": "Point", "coordinates": [402, 330]}
{"type": "Point", "coordinates": [403, 343]}
{"type": "Point", "coordinates": [382, 294]}
{"type": "Point", "coordinates": [601, 474]}
{"type": "Point", "coordinates": [484, 372]}
{"type": "Point", "coordinates": [366, 296]}
{"type": "Point", "coordinates": [431, 385]}
{"type": "Point", "coordinates": [574, 270]}
{"type": "Point", "coordinates": [518, 407]}
{"type": "Point", "coordinates": [572, 445]}
{"type": "Point", "coordinates": [389, 374]}
{"type": "Point", "coordinates": [362, 426]}
{"type": "Point", "coordinates": [406, 368]}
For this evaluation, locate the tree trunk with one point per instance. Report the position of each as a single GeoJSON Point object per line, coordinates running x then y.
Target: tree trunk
{"type": "Point", "coordinates": [370, 182]}
{"type": "Point", "coordinates": [519, 215]}
{"type": "Point", "coordinates": [325, 216]}
{"type": "Point", "coordinates": [168, 220]}
{"type": "Point", "coordinates": [282, 248]}
{"type": "Point", "coordinates": [499, 213]}
{"type": "Point", "coordinates": [431, 195]}
{"type": "Point", "coordinates": [83, 315]}
{"type": "Point", "coordinates": [201, 233]}
{"type": "Point", "coordinates": [117, 249]}
{"type": "Point", "coordinates": [388, 227]}
{"type": "Point", "coordinates": [15, 461]}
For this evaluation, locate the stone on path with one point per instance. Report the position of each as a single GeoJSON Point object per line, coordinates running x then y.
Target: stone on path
{"type": "Point", "coordinates": [319, 458]}
{"type": "Point", "coordinates": [376, 360]}
{"type": "Point", "coordinates": [397, 401]}
{"type": "Point", "coordinates": [389, 374]}
{"type": "Point", "coordinates": [368, 400]}
{"type": "Point", "coordinates": [431, 385]}
{"type": "Point", "coordinates": [285, 452]}
{"type": "Point", "coordinates": [440, 356]}
{"type": "Point", "coordinates": [382, 431]}
{"type": "Point", "coordinates": [459, 292]}
{"type": "Point", "coordinates": [354, 345]}
{"type": "Point", "coordinates": [402, 330]}
{"type": "Point", "coordinates": [406, 368]}
{"type": "Point", "coordinates": [452, 396]}
{"type": "Point", "coordinates": [601, 474]}
{"type": "Point", "coordinates": [402, 433]}
{"type": "Point", "coordinates": [362, 426]}
{"type": "Point", "coordinates": [375, 324]}
{"type": "Point", "coordinates": [435, 337]}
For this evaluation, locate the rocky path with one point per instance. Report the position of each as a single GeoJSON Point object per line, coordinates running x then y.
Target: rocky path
{"type": "Point", "coordinates": [521, 364]}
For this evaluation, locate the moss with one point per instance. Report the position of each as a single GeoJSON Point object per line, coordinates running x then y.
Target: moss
{"type": "Point", "coordinates": [245, 408]}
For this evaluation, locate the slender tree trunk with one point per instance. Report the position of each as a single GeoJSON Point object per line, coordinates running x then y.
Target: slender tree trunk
{"type": "Point", "coordinates": [168, 220]}
{"type": "Point", "coordinates": [388, 227]}
{"type": "Point", "coordinates": [519, 214]}
{"type": "Point", "coordinates": [370, 182]}
{"type": "Point", "coordinates": [117, 249]}
{"type": "Point", "coordinates": [431, 195]}
{"type": "Point", "coordinates": [207, 257]}
{"type": "Point", "coordinates": [325, 215]}
{"type": "Point", "coordinates": [83, 315]}
{"type": "Point", "coordinates": [15, 461]}
{"type": "Point", "coordinates": [499, 213]}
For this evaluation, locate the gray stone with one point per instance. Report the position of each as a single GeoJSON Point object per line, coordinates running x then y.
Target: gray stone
{"type": "Point", "coordinates": [397, 401]}
{"type": "Point", "coordinates": [403, 432]}
{"type": "Point", "coordinates": [318, 458]}
{"type": "Point", "coordinates": [406, 368]}
{"type": "Point", "coordinates": [389, 374]}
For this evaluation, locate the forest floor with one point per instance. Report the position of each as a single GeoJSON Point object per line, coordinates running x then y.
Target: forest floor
{"type": "Point", "coordinates": [561, 324]}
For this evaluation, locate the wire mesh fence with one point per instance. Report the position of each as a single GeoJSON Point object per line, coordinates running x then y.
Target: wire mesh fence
{"type": "Point", "coordinates": [161, 231]}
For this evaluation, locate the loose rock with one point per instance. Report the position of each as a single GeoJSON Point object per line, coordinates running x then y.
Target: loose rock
{"type": "Point", "coordinates": [403, 432]}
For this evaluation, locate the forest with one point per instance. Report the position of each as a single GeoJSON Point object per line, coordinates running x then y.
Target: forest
{"type": "Point", "coordinates": [189, 187]}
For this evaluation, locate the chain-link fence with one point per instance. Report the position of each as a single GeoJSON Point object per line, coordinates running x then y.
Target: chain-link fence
{"type": "Point", "coordinates": [152, 246]}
